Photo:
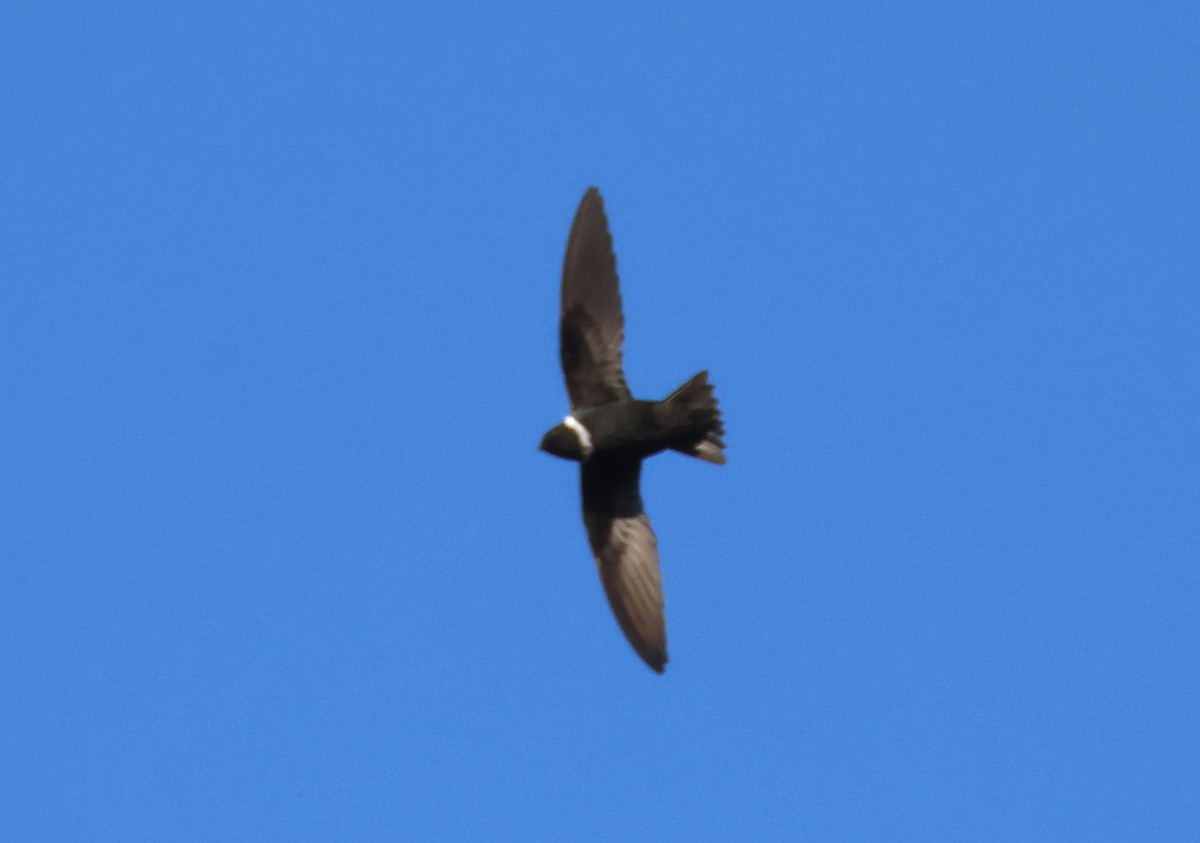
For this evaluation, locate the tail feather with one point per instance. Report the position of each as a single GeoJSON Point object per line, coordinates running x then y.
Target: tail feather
{"type": "Point", "coordinates": [699, 403]}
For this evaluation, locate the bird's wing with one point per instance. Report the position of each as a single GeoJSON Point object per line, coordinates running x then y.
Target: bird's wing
{"type": "Point", "coordinates": [626, 553]}
{"type": "Point", "coordinates": [591, 325]}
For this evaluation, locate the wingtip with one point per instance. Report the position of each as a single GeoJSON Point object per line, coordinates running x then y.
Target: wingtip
{"type": "Point", "coordinates": [591, 196]}
{"type": "Point", "coordinates": [654, 655]}
{"type": "Point", "coordinates": [655, 661]}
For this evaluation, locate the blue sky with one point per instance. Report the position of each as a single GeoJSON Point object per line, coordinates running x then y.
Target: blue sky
{"type": "Point", "coordinates": [278, 301]}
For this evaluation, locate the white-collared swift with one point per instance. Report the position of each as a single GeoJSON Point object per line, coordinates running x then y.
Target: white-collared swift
{"type": "Point", "coordinates": [609, 432]}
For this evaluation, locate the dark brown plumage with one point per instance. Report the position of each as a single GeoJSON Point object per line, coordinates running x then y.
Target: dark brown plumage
{"type": "Point", "coordinates": [610, 433]}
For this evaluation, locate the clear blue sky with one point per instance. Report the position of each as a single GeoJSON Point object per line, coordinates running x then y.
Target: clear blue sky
{"type": "Point", "coordinates": [278, 301]}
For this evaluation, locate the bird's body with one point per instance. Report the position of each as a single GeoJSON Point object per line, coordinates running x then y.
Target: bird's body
{"type": "Point", "coordinates": [627, 428]}
{"type": "Point", "coordinates": [610, 433]}
{"type": "Point", "coordinates": [640, 429]}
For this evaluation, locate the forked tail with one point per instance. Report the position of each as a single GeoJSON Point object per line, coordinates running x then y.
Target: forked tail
{"type": "Point", "coordinates": [702, 418]}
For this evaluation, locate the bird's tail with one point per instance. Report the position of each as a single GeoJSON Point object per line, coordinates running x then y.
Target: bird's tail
{"type": "Point", "coordinates": [702, 418]}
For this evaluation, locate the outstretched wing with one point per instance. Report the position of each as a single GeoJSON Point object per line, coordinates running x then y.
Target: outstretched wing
{"type": "Point", "coordinates": [591, 325]}
{"type": "Point", "coordinates": [626, 553]}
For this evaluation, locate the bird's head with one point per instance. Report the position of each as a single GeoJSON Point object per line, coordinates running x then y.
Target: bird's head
{"type": "Point", "coordinates": [569, 440]}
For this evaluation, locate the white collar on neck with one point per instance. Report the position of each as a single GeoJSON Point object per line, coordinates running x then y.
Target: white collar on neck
{"type": "Point", "coordinates": [581, 432]}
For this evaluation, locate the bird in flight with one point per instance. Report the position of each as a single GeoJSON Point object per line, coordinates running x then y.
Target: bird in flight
{"type": "Point", "coordinates": [609, 432]}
